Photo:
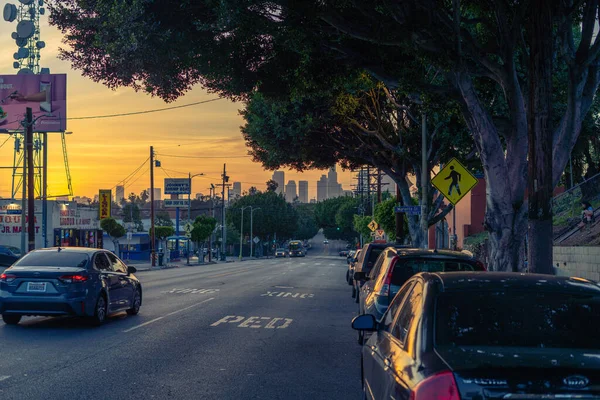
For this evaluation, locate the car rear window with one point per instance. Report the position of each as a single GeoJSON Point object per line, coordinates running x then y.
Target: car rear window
{"type": "Point", "coordinates": [404, 269]}
{"type": "Point", "coordinates": [373, 255]}
{"type": "Point", "coordinates": [53, 259]}
{"type": "Point", "coordinates": [517, 319]}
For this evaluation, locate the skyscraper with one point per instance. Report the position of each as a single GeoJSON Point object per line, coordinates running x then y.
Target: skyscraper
{"type": "Point", "coordinates": [237, 189]}
{"type": "Point", "coordinates": [119, 194]}
{"type": "Point", "coordinates": [334, 189]}
{"type": "Point", "coordinates": [157, 194]}
{"type": "Point", "coordinates": [303, 191]}
{"type": "Point", "coordinates": [279, 177]}
{"type": "Point", "coordinates": [322, 188]}
{"type": "Point", "coordinates": [290, 191]}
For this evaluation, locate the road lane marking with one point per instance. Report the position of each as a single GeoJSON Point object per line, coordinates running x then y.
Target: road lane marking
{"type": "Point", "coordinates": [144, 324]}
{"type": "Point", "coordinates": [254, 322]}
{"type": "Point", "coordinates": [166, 315]}
{"type": "Point", "coordinates": [191, 291]}
{"type": "Point", "coordinates": [187, 308]}
{"type": "Point", "coordinates": [4, 377]}
{"type": "Point", "coordinates": [288, 294]}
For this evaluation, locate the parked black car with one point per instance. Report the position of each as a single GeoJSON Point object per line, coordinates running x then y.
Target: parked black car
{"type": "Point", "coordinates": [366, 260]}
{"type": "Point", "coordinates": [74, 281]}
{"type": "Point", "coordinates": [395, 266]}
{"type": "Point", "coordinates": [485, 335]}
{"type": "Point", "coordinates": [350, 272]}
{"type": "Point", "coordinates": [7, 260]}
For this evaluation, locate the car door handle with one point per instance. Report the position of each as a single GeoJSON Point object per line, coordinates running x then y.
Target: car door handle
{"type": "Point", "coordinates": [387, 362]}
{"type": "Point", "coordinates": [373, 348]}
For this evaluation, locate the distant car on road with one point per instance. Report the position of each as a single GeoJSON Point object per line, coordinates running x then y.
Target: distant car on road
{"type": "Point", "coordinates": [325, 241]}
{"type": "Point", "coordinates": [484, 335]}
{"type": "Point", "coordinates": [77, 281]}
{"type": "Point", "coordinates": [344, 253]}
{"type": "Point", "coordinates": [296, 249]}
{"type": "Point", "coordinates": [281, 253]}
{"type": "Point", "coordinates": [350, 272]}
{"type": "Point", "coordinates": [395, 266]}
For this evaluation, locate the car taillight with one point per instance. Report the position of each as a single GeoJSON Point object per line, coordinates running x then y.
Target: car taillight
{"type": "Point", "coordinates": [481, 265]}
{"type": "Point", "coordinates": [7, 278]}
{"type": "Point", "coordinates": [73, 278]}
{"type": "Point", "coordinates": [438, 387]}
{"type": "Point", "coordinates": [385, 289]}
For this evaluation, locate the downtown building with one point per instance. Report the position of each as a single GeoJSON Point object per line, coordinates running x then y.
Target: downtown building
{"type": "Point", "coordinates": [279, 177]}
{"type": "Point", "coordinates": [303, 191]}
{"type": "Point", "coordinates": [290, 191]}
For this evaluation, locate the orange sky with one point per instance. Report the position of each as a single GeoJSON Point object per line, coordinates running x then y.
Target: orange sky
{"type": "Point", "coordinates": [103, 152]}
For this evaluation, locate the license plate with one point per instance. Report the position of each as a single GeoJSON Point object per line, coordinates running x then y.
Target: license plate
{"type": "Point", "coordinates": [36, 286]}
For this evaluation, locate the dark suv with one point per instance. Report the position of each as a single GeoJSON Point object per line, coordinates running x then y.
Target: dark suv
{"type": "Point", "coordinates": [365, 262]}
{"type": "Point", "coordinates": [396, 266]}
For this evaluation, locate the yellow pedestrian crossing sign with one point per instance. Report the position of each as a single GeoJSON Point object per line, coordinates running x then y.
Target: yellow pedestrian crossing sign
{"type": "Point", "coordinates": [373, 225]}
{"type": "Point", "coordinates": [454, 181]}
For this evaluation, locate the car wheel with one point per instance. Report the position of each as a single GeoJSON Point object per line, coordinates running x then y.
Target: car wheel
{"type": "Point", "coordinates": [100, 311]}
{"type": "Point", "coordinates": [11, 319]}
{"type": "Point", "coordinates": [357, 294]}
{"type": "Point", "coordinates": [136, 304]}
{"type": "Point", "coordinates": [353, 292]}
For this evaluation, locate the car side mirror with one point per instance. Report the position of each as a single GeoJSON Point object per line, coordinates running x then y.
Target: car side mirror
{"type": "Point", "coordinates": [131, 270]}
{"type": "Point", "coordinates": [365, 322]}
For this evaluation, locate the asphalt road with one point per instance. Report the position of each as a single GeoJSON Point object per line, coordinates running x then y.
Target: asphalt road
{"type": "Point", "coordinates": [262, 329]}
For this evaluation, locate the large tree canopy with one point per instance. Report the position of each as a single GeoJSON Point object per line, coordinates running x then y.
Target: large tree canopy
{"type": "Point", "coordinates": [481, 54]}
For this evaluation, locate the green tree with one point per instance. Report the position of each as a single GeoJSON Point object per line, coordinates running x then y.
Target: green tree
{"type": "Point", "coordinates": [114, 230]}
{"type": "Point", "coordinates": [163, 218]}
{"type": "Point", "coordinates": [275, 216]}
{"type": "Point", "coordinates": [385, 216]}
{"type": "Point", "coordinates": [336, 218]}
{"type": "Point", "coordinates": [272, 185]}
{"type": "Point", "coordinates": [203, 228]}
{"type": "Point", "coordinates": [162, 233]}
{"type": "Point", "coordinates": [361, 225]}
{"type": "Point", "coordinates": [307, 225]}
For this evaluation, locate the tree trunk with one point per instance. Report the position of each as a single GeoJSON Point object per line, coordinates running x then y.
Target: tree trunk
{"type": "Point", "coordinates": [540, 133]}
{"type": "Point", "coordinates": [507, 230]}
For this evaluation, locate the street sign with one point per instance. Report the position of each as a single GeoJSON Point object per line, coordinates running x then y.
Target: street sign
{"type": "Point", "coordinates": [188, 227]}
{"type": "Point", "coordinates": [176, 203]}
{"type": "Point", "coordinates": [373, 225]}
{"type": "Point", "coordinates": [410, 210]}
{"type": "Point", "coordinates": [454, 181]}
{"type": "Point", "coordinates": [177, 186]}
{"type": "Point", "coordinates": [379, 236]}
{"type": "Point", "coordinates": [188, 235]}
{"type": "Point", "coordinates": [256, 240]}
{"type": "Point", "coordinates": [373, 234]}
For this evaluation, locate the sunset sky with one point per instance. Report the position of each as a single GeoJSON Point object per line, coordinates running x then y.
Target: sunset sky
{"type": "Point", "coordinates": [103, 152]}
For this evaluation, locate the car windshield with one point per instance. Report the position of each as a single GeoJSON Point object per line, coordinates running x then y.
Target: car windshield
{"type": "Point", "coordinates": [53, 259]}
{"type": "Point", "coordinates": [517, 319]}
{"type": "Point", "coordinates": [280, 249]}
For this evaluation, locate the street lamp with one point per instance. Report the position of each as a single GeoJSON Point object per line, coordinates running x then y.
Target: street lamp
{"type": "Point", "coordinates": [190, 176]}
{"type": "Point", "coordinates": [242, 229]}
{"type": "Point", "coordinates": [251, 238]}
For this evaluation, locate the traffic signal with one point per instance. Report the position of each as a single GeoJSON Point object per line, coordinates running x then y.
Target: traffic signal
{"type": "Point", "coordinates": [338, 228]}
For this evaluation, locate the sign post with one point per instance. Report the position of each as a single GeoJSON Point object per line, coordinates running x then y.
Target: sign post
{"type": "Point", "coordinates": [176, 187]}
{"type": "Point", "coordinates": [105, 198]}
{"type": "Point", "coordinates": [454, 181]}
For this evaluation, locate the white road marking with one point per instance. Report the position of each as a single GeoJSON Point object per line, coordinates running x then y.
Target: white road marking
{"type": "Point", "coordinates": [187, 308]}
{"type": "Point", "coordinates": [144, 324]}
{"type": "Point", "coordinates": [254, 322]}
{"type": "Point", "coordinates": [4, 377]}
{"type": "Point", "coordinates": [166, 315]}
{"type": "Point", "coordinates": [284, 287]}
{"type": "Point", "coordinates": [317, 264]}
{"type": "Point", "coordinates": [288, 294]}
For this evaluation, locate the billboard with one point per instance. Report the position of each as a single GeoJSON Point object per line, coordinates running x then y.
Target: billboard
{"type": "Point", "coordinates": [105, 197]}
{"type": "Point", "coordinates": [45, 94]}
{"type": "Point", "coordinates": [177, 186]}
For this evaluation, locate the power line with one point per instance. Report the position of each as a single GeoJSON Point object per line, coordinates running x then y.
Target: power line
{"type": "Point", "coordinates": [124, 181]}
{"type": "Point", "coordinates": [145, 111]}
{"type": "Point", "coordinates": [3, 143]}
{"type": "Point", "coordinates": [176, 156]}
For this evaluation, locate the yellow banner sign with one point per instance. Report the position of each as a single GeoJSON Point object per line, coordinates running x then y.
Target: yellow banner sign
{"type": "Point", "coordinates": [454, 181]}
{"type": "Point", "coordinates": [105, 197]}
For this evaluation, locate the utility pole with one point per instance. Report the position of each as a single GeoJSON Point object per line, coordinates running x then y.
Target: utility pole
{"type": "Point", "coordinates": [424, 180]}
{"type": "Point", "coordinates": [152, 237]}
{"type": "Point", "coordinates": [251, 234]}
{"type": "Point", "coordinates": [24, 200]}
{"type": "Point", "coordinates": [30, 190]}
{"type": "Point", "coordinates": [242, 232]}
{"type": "Point", "coordinates": [378, 186]}
{"type": "Point", "coordinates": [399, 218]}
{"type": "Point", "coordinates": [45, 191]}
{"type": "Point", "coordinates": [223, 244]}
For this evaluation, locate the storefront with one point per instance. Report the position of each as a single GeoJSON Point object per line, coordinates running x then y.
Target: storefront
{"type": "Point", "coordinates": [68, 217]}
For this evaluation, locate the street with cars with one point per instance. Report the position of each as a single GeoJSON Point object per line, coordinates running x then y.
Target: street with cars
{"type": "Point", "coordinates": [259, 329]}
{"type": "Point", "coordinates": [431, 324]}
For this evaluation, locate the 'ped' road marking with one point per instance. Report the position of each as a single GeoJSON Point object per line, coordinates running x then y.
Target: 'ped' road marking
{"type": "Point", "coordinates": [166, 315]}
{"type": "Point", "coordinates": [255, 322]}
